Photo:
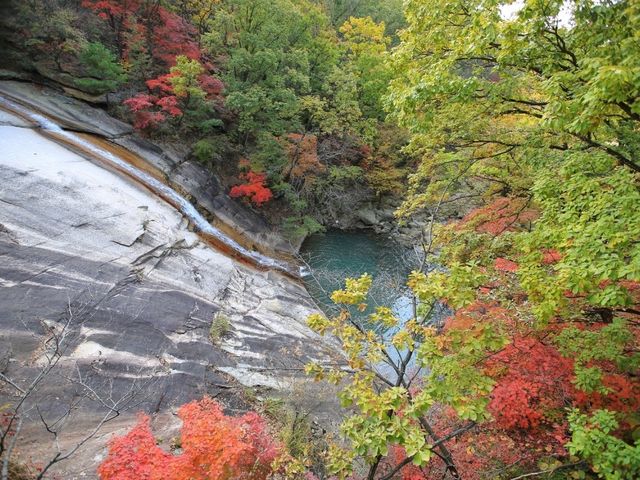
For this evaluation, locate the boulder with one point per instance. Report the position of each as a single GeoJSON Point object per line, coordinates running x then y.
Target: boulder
{"type": "Point", "coordinates": [367, 215]}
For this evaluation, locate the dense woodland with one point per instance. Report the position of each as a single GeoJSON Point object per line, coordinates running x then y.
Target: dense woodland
{"type": "Point", "coordinates": [531, 114]}
{"type": "Point", "coordinates": [283, 97]}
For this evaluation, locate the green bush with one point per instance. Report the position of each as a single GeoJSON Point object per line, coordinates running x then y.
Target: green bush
{"type": "Point", "coordinates": [220, 326]}
{"type": "Point", "coordinates": [102, 69]}
{"type": "Point", "coordinates": [204, 150]}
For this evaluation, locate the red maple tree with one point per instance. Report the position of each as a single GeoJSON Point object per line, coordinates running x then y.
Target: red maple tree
{"type": "Point", "coordinates": [165, 34]}
{"type": "Point", "coordinates": [152, 108]}
{"type": "Point", "coordinates": [162, 103]}
{"type": "Point", "coordinates": [214, 447]}
{"type": "Point", "coordinates": [173, 36]}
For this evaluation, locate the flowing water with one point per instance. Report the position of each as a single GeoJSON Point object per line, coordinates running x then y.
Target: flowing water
{"type": "Point", "coordinates": [164, 191]}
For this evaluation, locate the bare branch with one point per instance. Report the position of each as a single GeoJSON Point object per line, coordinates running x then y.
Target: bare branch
{"type": "Point", "coordinates": [12, 444]}
{"type": "Point", "coordinates": [6, 379]}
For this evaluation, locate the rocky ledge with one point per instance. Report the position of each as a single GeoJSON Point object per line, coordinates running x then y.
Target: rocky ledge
{"type": "Point", "coordinates": [178, 169]}
{"type": "Point", "coordinates": [106, 284]}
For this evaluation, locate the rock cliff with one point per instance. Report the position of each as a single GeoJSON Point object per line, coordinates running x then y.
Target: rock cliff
{"type": "Point", "coordinates": [108, 282]}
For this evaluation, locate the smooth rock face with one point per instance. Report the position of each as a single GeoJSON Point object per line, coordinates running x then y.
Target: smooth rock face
{"type": "Point", "coordinates": [180, 171]}
{"type": "Point", "coordinates": [72, 113]}
{"type": "Point", "coordinates": [91, 254]}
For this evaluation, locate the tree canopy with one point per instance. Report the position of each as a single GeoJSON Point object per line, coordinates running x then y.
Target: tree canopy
{"type": "Point", "coordinates": [533, 116]}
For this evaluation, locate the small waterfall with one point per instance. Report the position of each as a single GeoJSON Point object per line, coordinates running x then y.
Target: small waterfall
{"type": "Point", "coordinates": [169, 194]}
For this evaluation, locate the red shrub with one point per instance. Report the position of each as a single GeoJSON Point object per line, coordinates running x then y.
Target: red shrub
{"type": "Point", "coordinates": [551, 256]}
{"type": "Point", "coordinates": [214, 447]}
{"type": "Point", "coordinates": [477, 313]}
{"type": "Point", "coordinates": [255, 188]}
{"type": "Point", "coordinates": [534, 384]}
{"type": "Point", "coordinates": [502, 215]}
{"type": "Point", "coordinates": [504, 265]}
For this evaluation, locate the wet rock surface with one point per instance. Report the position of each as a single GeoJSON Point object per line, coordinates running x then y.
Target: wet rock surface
{"type": "Point", "coordinates": [177, 167]}
{"type": "Point", "coordinates": [112, 279]}
{"type": "Point", "coordinates": [72, 113]}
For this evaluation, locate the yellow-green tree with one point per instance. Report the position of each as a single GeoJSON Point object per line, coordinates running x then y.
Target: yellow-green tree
{"type": "Point", "coordinates": [366, 45]}
{"type": "Point", "coordinates": [536, 116]}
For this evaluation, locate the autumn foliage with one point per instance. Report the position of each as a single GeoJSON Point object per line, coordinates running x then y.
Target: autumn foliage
{"type": "Point", "coordinates": [502, 215]}
{"type": "Point", "coordinates": [145, 26]}
{"type": "Point", "coordinates": [153, 108]}
{"type": "Point", "coordinates": [534, 385]}
{"type": "Point", "coordinates": [476, 454]}
{"type": "Point", "coordinates": [504, 265]}
{"type": "Point", "coordinates": [535, 381]}
{"type": "Point", "coordinates": [150, 40]}
{"type": "Point", "coordinates": [214, 447]}
{"type": "Point", "coordinates": [254, 188]}
{"type": "Point", "coordinates": [304, 165]}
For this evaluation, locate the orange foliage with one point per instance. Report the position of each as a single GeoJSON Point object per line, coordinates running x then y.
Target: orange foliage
{"type": "Point", "coordinates": [551, 256]}
{"type": "Point", "coordinates": [135, 456]}
{"type": "Point", "coordinates": [623, 396]}
{"type": "Point", "coordinates": [304, 164]}
{"type": "Point", "coordinates": [505, 214]}
{"type": "Point", "coordinates": [476, 313]}
{"type": "Point", "coordinates": [214, 447]}
{"type": "Point", "coordinates": [535, 385]}
{"type": "Point", "coordinates": [504, 265]}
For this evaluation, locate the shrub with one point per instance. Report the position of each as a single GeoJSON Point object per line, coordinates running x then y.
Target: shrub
{"type": "Point", "coordinates": [220, 326]}
{"type": "Point", "coordinates": [214, 447]}
{"type": "Point", "coordinates": [104, 72]}
{"type": "Point", "coordinates": [255, 188]}
{"type": "Point", "coordinates": [204, 150]}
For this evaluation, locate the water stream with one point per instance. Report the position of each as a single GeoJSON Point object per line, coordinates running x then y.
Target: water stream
{"type": "Point", "coordinates": [170, 195]}
{"type": "Point", "coordinates": [335, 255]}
